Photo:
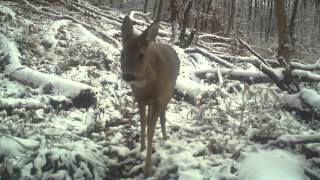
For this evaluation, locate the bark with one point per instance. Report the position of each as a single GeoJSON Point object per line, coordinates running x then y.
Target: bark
{"type": "Point", "coordinates": [283, 40]}
{"type": "Point", "coordinates": [231, 19]}
{"type": "Point", "coordinates": [292, 23]}
{"type": "Point", "coordinates": [185, 21]}
{"type": "Point", "coordinates": [207, 12]}
{"type": "Point", "coordinates": [154, 9]}
{"type": "Point", "coordinates": [145, 6]}
{"type": "Point", "coordinates": [269, 20]}
{"type": "Point", "coordinates": [159, 10]}
{"type": "Point", "coordinates": [174, 19]}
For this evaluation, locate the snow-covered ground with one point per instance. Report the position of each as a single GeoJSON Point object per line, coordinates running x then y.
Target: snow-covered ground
{"type": "Point", "coordinates": [219, 135]}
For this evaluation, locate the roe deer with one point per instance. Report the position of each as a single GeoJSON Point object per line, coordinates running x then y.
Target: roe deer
{"type": "Point", "coordinates": [152, 70]}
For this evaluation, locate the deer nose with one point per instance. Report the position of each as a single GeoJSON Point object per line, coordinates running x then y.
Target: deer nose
{"type": "Point", "coordinates": [128, 77]}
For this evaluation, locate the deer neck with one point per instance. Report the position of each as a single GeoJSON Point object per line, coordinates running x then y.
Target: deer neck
{"type": "Point", "coordinates": [148, 78]}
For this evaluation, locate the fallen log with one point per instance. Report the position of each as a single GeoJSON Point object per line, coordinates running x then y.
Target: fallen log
{"type": "Point", "coordinates": [298, 139]}
{"type": "Point", "coordinates": [214, 38]}
{"type": "Point", "coordinates": [252, 76]}
{"type": "Point", "coordinates": [210, 56]}
{"type": "Point", "coordinates": [306, 103]}
{"type": "Point", "coordinates": [82, 95]}
{"type": "Point", "coordinates": [247, 76]}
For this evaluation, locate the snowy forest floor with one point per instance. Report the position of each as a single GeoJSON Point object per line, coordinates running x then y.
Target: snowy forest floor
{"type": "Point", "coordinates": [211, 136]}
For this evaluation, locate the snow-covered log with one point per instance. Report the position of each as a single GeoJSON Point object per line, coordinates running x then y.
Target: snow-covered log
{"type": "Point", "coordinates": [248, 59]}
{"type": "Point", "coordinates": [298, 139]}
{"type": "Point", "coordinates": [82, 95]}
{"type": "Point", "coordinates": [306, 103]}
{"type": "Point", "coordinates": [214, 38]}
{"type": "Point", "coordinates": [209, 55]}
{"type": "Point", "coordinates": [191, 91]}
{"type": "Point", "coordinates": [248, 76]}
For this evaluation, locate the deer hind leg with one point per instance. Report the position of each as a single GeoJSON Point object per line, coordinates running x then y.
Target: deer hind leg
{"type": "Point", "coordinates": [142, 112]}
{"type": "Point", "coordinates": [153, 114]}
{"type": "Point", "coordinates": [163, 123]}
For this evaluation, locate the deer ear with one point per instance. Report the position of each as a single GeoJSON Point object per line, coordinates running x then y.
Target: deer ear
{"type": "Point", "coordinates": [150, 33]}
{"type": "Point", "coordinates": [126, 29]}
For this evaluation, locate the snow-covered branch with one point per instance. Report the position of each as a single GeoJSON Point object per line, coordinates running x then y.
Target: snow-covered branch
{"type": "Point", "coordinates": [247, 76]}
{"type": "Point", "coordinates": [211, 56]}
{"type": "Point", "coordinates": [298, 139]}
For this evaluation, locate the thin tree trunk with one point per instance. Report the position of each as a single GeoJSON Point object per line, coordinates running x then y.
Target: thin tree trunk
{"type": "Point", "coordinates": [185, 21]}
{"type": "Point", "coordinates": [283, 40]}
{"type": "Point", "coordinates": [174, 19]}
{"type": "Point", "coordinates": [154, 9]}
{"type": "Point", "coordinates": [231, 19]}
{"type": "Point", "coordinates": [254, 16]}
{"type": "Point", "coordinates": [249, 16]}
{"type": "Point", "coordinates": [269, 20]}
{"type": "Point", "coordinates": [145, 7]}
{"type": "Point", "coordinates": [292, 23]}
{"type": "Point", "coordinates": [159, 10]}
{"type": "Point", "coordinates": [207, 13]}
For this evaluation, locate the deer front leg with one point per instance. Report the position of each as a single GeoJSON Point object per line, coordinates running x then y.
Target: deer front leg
{"type": "Point", "coordinates": [142, 112]}
{"type": "Point", "coordinates": [153, 113]}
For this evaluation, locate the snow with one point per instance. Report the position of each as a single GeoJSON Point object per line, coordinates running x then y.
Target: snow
{"type": "Point", "coordinates": [86, 36]}
{"type": "Point", "coordinates": [271, 165]}
{"type": "Point", "coordinates": [6, 12]}
{"type": "Point", "coordinates": [311, 97]}
{"type": "Point", "coordinates": [53, 30]}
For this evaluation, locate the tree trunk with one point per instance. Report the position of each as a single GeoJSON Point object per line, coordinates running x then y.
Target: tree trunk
{"type": "Point", "coordinates": [231, 19]}
{"type": "Point", "coordinates": [174, 20]}
{"type": "Point", "coordinates": [154, 9]}
{"type": "Point", "coordinates": [269, 21]}
{"type": "Point", "coordinates": [185, 21]}
{"type": "Point", "coordinates": [145, 7]}
{"type": "Point", "coordinates": [159, 10]}
{"type": "Point", "coordinates": [292, 23]}
{"type": "Point", "coordinates": [283, 40]}
{"type": "Point", "coordinates": [207, 14]}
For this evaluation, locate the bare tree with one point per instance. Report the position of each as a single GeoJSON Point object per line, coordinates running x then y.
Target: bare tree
{"type": "Point", "coordinates": [292, 23]}
{"type": "Point", "coordinates": [283, 40]}
{"type": "Point", "coordinates": [185, 21]}
{"type": "Point", "coordinates": [174, 19]}
{"type": "Point", "coordinates": [269, 20]}
{"type": "Point", "coordinates": [159, 10]}
{"type": "Point", "coordinates": [145, 6]}
{"type": "Point", "coordinates": [231, 19]}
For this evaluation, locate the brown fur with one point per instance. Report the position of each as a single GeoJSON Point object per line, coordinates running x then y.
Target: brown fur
{"type": "Point", "coordinates": [155, 67]}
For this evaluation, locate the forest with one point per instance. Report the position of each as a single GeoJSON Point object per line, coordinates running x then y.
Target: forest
{"type": "Point", "coordinates": [230, 89]}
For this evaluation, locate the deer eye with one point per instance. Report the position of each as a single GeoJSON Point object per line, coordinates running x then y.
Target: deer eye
{"type": "Point", "coordinates": [140, 56]}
